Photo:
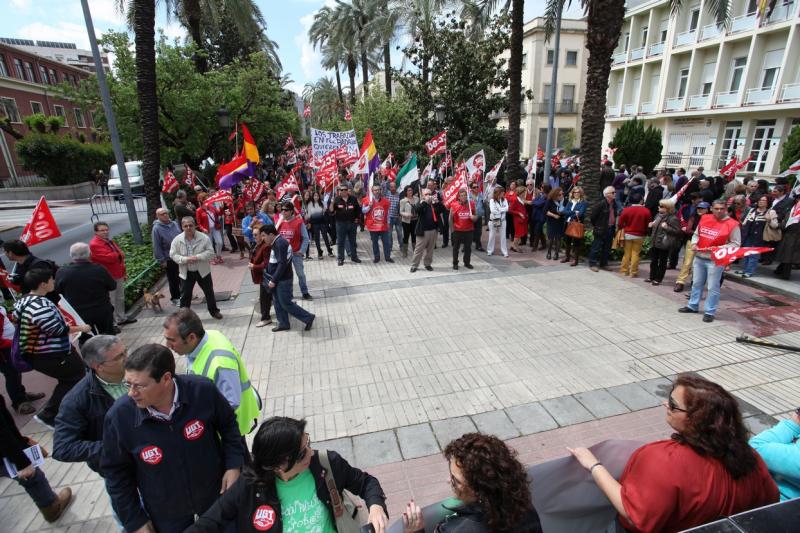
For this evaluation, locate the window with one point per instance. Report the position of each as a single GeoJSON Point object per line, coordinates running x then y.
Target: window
{"type": "Point", "coordinates": [568, 94]}
{"type": "Point", "coordinates": [644, 36]}
{"type": "Point", "coordinates": [524, 59]}
{"type": "Point", "coordinates": [79, 118]}
{"type": "Point", "coordinates": [708, 78]}
{"type": "Point", "coordinates": [662, 29]}
{"type": "Point", "coordinates": [694, 19]}
{"type": "Point", "coordinates": [546, 93]}
{"type": "Point", "coordinates": [550, 56]}
{"type": "Point", "coordinates": [627, 41]}
{"type": "Point", "coordinates": [737, 71]}
{"type": "Point", "coordinates": [731, 140]}
{"type": "Point", "coordinates": [59, 111]}
{"type": "Point", "coordinates": [8, 107]}
{"type": "Point", "coordinates": [43, 75]}
{"type": "Point", "coordinates": [31, 73]}
{"type": "Point", "coordinates": [699, 143]}
{"type": "Point", "coordinates": [683, 80]}
{"type": "Point", "coordinates": [762, 139]}
{"type": "Point", "coordinates": [19, 69]}
{"type": "Point", "coordinates": [772, 67]}
{"type": "Point", "coordinates": [53, 77]}
{"type": "Point", "coordinates": [542, 138]}
{"type": "Point", "coordinates": [752, 7]}
{"type": "Point", "coordinates": [36, 107]}
{"type": "Point", "coordinates": [675, 148]}
{"type": "Point", "coordinates": [562, 135]}
{"type": "Point", "coordinates": [3, 66]}
{"type": "Point", "coordinates": [572, 58]}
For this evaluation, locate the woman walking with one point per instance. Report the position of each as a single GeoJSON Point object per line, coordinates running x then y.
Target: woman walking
{"type": "Point", "coordinates": [315, 215]}
{"type": "Point", "coordinates": [498, 208]}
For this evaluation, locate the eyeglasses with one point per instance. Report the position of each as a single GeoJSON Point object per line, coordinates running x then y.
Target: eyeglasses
{"type": "Point", "coordinates": [135, 387]}
{"type": "Point", "coordinates": [672, 406]}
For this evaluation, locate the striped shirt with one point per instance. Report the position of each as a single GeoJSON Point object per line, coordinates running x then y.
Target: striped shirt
{"type": "Point", "coordinates": [43, 330]}
{"type": "Point", "coordinates": [394, 202]}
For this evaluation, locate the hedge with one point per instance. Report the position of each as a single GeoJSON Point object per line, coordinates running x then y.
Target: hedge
{"type": "Point", "coordinates": [62, 159]}
{"type": "Point", "coordinates": [143, 270]}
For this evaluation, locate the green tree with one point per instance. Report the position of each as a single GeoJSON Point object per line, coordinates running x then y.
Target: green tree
{"type": "Point", "coordinates": [791, 148]}
{"type": "Point", "coordinates": [467, 77]}
{"type": "Point", "coordinates": [323, 98]}
{"type": "Point", "coordinates": [321, 36]}
{"type": "Point", "coordinates": [352, 21]}
{"type": "Point", "coordinates": [637, 145]}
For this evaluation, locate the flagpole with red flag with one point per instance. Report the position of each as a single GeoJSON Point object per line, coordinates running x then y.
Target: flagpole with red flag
{"type": "Point", "coordinates": [41, 227]}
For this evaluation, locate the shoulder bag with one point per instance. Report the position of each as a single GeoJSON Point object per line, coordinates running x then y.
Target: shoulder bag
{"type": "Point", "coordinates": [345, 510]}
{"type": "Point", "coordinates": [575, 229]}
{"type": "Point", "coordinates": [772, 233]}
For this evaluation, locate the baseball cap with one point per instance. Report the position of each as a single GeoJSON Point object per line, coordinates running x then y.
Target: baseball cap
{"type": "Point", "coordinates": [703, 205]}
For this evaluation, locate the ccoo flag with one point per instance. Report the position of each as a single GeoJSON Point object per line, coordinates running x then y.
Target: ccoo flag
{"type": "Point", "coordinates": [408, 174]}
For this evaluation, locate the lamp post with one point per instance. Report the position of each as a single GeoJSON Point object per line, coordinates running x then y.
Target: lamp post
{"type": "Point", "coordinates": [439, 113]}
{"type": "Point", "coordinates": [551, 108]}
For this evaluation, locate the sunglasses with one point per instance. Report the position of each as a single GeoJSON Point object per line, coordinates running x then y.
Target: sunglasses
{"type": "Point", "coordinates": [672, 406]}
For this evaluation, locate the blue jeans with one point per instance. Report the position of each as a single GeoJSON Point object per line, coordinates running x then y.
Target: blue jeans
{"type": "Point", "coordinates": [750, 263]}
{"type": "Point", "coordinates": [386, 238]}
{"type": "Point", "coordinates": [396, 224]}
{"type": "Point", "coordinates": [705, 272]}
{"type": "Point", "coordinates": [297, 264]}
{"type": "Point", "coordinates": [37, 487]}
{"type": "Point", "coordinates": [346, 236]}
{"type": "Point", "coordinates": [282, 300]}
{"type": "Point", "coordinates": [601, 246]}
{"type": "Point", "coordinates": [618, 195]}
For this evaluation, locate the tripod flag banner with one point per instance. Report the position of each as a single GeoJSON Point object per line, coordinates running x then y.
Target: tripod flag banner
{"type": "Point", "coordinates": [41, 227]}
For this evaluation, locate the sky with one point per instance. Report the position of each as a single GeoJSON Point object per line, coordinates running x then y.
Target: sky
{"type": "Point", "coordinates": [287, 24]}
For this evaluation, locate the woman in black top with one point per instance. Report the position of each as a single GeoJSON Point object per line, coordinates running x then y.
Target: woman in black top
{"type": "Point", "coordinates": [555, 222]}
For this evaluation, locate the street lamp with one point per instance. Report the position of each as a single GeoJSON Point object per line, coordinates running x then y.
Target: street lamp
{"type": "Point", "coordinates": [439, 113]}
{"type": "Point", "coordinates": [224, 119]}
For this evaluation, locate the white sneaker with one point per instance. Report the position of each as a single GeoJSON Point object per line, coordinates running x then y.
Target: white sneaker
{"type": "Point", "coordinates": [263, 323]}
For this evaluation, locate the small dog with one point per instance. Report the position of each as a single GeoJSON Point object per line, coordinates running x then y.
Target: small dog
{"type": "Point", "coordinates": [152, 300]}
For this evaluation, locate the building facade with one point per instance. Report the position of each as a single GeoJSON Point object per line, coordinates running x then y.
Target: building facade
{"type": "Point", "coordinates": [538, 59]}
{"type": "Point", "coordinates": [27, 86]}
{"type": "Point", "coordinates": [67, 53]}
{"type": "Point", "coordinates": [714, 92]}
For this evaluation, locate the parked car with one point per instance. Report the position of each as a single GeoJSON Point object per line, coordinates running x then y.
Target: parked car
{"type": "Point", "coordinates": [135, 178]}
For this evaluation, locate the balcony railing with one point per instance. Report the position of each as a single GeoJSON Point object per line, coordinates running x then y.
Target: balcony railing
{"type": "Point", "coordinates": [620, 57]}
{"type": "Point", "coordinates": [757, 96]}
{"type": "Point", "coordinates": [744, 22]}
{"type": "Point", "coordinates": [647, 108]}
{"type": "Point", "coordinates": [699, 101]}
{"type": "Point", "coordinates": [709, 32]}
{"type": "Point", "coordinates": [790, 92]}
{"type": "Point", "coordinates": [612, 110]}
{"type": "Point", "coordinates": [730, 99]}
{"type": "Point", "coordinates": [687, 37]}
{"type": "Point", "coordinates": [628, 110]}
{"type": "Point", "coordinates": [656, 49]}
{"type": "Point", "coordinates": [781, 13]}
{"type": "Point", "coordinates": [562, 108]}
{"type": "Point", "coordinates": [637, 53]}
{"type": "Point", "coordinates": [674, 104]}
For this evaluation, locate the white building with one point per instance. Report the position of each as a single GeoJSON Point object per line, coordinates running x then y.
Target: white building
{"type": "Point", "coordinates": [537, 71]}
{"type": "Point", "coordinates": [67, 53]}
{"type": "Point", "coordinates": [713, 92]}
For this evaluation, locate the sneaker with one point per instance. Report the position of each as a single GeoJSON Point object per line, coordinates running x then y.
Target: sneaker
{"type": "Point", "coordinates": [429, 268]}
{"type": "Point", "coordinates": [687, 309]}
{"type": "Point", "coordinates": [307, 296]}
{"type": "Point", "coordinates": [708, 318]}
{"type": "Point", "coordinates": [746, 275]}
{"type": "Point", "coordinates": [48, 422]}
{"type": "Point", "coordinates": [264, 323]}
{"type": "Point", "coordinates": [25, 408]}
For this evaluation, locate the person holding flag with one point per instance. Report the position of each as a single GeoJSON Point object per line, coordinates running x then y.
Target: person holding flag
{"type": "Point", "coordinates": [293, 229]}
{"type": "Point", "coordinates": [462, 220]}
{"type": "Point", "coordinates": [376, 219]}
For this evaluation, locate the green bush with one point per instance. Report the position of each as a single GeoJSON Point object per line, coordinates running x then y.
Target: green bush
{"type": "Point", "coordinates": [791, 148]}
{"type": "Point", "coordinates": [143, 270]}
{"type": "Point", "coordinates": [637, 145]}
{"type": "Point", "coordinates": [36, 122]}
{"type": "Point", "coordinates": [615, 255]}
{"type": "Point", "coordinates": [62, 160]}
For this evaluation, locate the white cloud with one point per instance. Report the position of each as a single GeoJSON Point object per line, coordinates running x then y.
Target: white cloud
{"type": "Point", "coordinates": [62, 31]}
{"type": "Point", "coordinates": [21, 4]}
{"type": "Point", "coordinates": [173, 30]}
{"type": "Point", "coordinates": [309, 58]}
{"type": "Point", "coordinates": [103, 11]}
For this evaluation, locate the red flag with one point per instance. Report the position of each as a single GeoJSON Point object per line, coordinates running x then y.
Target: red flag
{"type": "Point", "coordinates": [307, 111]}
{"type": "Point", "coordinates": [725, 255]}
{"type": "Point", "coordinates": [42, 226]}
{"type": "Point", "coordinates": [447, 162]}
{"type": "Point", "coordinates": [576, 179]}
{"type": "Point", "coordinates": [188, 177]}
{"type": "Point", "coordinates": [232, 135]}
{"type": "Point", "coordinates": [253, 191]}
{"type": "Point", "coordinates": [289, 144]}
{"type": "Point", "coordinates": [450, 192]}
{"type": "Point", "coordinates": [286, 186]}
{"type": "Point", "coordinates": [170, 183]}
{"type": "Point", "coordinates": [5, 281]}
{"type": "Point", "coordinates": [347, 116]}
{"type": "Point", "coordinates": [327, 168]}
{"type": "Point", "coordinates": [740, 166]}
{"type": "Point", "coordinates": [726, 170]}
{"type": "Point", "coordinates": [437, 145]}
{"type": "Point", "coordinates": [219, 196]}
{"type": "Point", "coordinates": [539, 153]}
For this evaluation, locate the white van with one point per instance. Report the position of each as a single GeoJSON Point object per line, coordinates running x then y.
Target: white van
{"type": "Point", "coordinates": [135, 178]}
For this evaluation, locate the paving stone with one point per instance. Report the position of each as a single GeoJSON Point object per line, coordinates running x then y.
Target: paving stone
{"type": "Point", "coordinates": [376, 449]}
{"type": "Point", "coordinates": [758, 423]}
{"type": "Point", "coordinates": [658, 387]}
{"type": "Point", "coordinates": [567, 410]}
{"type": "Point", "coordinates": [601, 404]}
{"type": "Point", "coordinates": [634, 396]}
{"type": "Point", "coordinates": [343, 447]}
{"type": "Point", "coordinates": [496, 423]}
{"type": "Point", "coordinates": [531, 418]}
{"type": "Point", "coordinates": [748, 409]}
{"type": "Point", "coordinates": [417, 441]}
{"type": "Point", "coordinates": [452, 428]}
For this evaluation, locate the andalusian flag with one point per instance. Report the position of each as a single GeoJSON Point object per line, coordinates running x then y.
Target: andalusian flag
{"type": "Point", "coordinates": [249, 148]}
{"type": "Point", "coordinates": [408, 174]}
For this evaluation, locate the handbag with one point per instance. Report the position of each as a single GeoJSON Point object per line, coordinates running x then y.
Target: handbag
{"type": "Point", "coordinates": [771, 234]}
{"type": "Point", "coordinates": [619, 240]}
{"type": "Point", "coordinates": [345, 510]}
{"type": "Point", "coordinates": [574, 229]}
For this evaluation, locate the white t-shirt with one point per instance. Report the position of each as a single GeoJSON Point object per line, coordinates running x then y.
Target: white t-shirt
{"type": "Point", "coordinates": [8, 327]}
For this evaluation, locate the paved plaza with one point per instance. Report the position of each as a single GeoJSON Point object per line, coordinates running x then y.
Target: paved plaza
{"type": "Point", "coordinates": [398, 364]}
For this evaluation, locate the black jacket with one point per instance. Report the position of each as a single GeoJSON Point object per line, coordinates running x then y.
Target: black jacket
{"type": "Point", "coordinates": [346, 210]}
{"type": "Point", "coordinates": [607, 176]}
{"type": "Point", "coordinates": [12, 443]}
{"type": "Point", "coordinates": [240, 502]}
{"type": "Point", "coordinates": [175, 465]}
{"type": "Point", "coordinates": [79, 425]}
{"type": "Point", "coordinates": [599, 216]}
{"type": "Point", "coordinates": [782, 208]}
{"type": "Point", "coordinates": [470, 519]}
{"type": "Point", "coordinates": [281, 270]}
{"type": "Point", "coordinates": [32, 262]}
{"type": "Point", "coordinates": [85, 285]}
{"type": "Point", "coordinates": [426, 222]}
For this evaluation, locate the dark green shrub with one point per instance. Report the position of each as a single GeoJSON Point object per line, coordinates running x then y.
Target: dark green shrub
{"type": "Point", "coordinates": [637, 145]}
{"type": "Point", "coordinates": [791, 148]}
{"type": "Point", "coordinates": [62, 160]}
{"type": "Point", "coordinates": [142, 269]}
{"type": "Point", "coordinates": [36, 122]}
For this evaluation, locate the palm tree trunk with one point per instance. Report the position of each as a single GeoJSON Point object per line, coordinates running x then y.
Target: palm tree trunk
{"type": "Point", "coordinates": [339, 84]}
{"type": "Point", "coordinates": [387, 68]}
{"type": "Point", "coordinates": [193, 14]}
{"type": "Point", "coordinates": [144, 23]}
{"type": "Point", "coordinates": [351, 72]}
{"type": "Point", "coordinates": [365, 72]}
{"type": "Point", "coordinates": [515, 88]}
{"type": "Point", "coordinates": [604, 26]}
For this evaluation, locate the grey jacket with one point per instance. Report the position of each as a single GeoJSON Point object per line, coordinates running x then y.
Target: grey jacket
{"type": "Point", "coordinates": [162, 235]}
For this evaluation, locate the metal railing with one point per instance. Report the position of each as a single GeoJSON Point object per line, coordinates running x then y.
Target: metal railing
{"type": "Point", "coordinates": [709, 32]}
{"type": "Point", "coordinates": [562, 108]}
{"type": "Point", "coordinates": [656, 49]}
{"type": "Point", "coordinates": [637, 53]}
{"type": "Point", "coordinates": [729, 99]}
{"type": "Point", "coordinates": [674, 104]}
{"type": "Point", "coordinates": [628, 110]}
{"type": "Point", "coordinates": [699, 101]}
{"type": "Point", "coordinates": [743, 23]}
{"type": "Point", "coordinates": [687, 37]}
{"type": "Point", "coordinates": [114, 204]}
{"type": "Point", "coordinates": [620, 57]}
{"type": "Point", "coordinates": [647, 108]}
{"type": "Point", "coordinates": [612, 110]}
{"type": "Point", "coordinates": [759, 95]}
{"type": "Point", "coordinates": [789, 92]}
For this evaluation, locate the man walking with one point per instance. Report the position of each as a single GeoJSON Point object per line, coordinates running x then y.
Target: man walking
{"type": "Point", "coordinates": [293, 229]}
{"type": "Point", "coordinates": [345, 211]}
{"type": "Point", "coordinates": [106, 253]}
{"type": "Point", "coordinates": [164, 231]}
{"type": "Point", "coordinates": [170, 447]}
{"type": "Point", "coordinates": [192, 251]}
{"type": "Point", "coordinates": [87, 287]}
{"type": "Point", "coordinates": [717, 229]}
{"type": "Point", "coordinates": [604, 220]}
{"type": "Point", "coordinates": [427, 228]}
{"type": "Point", "coordinates": [279, 274]}
{"type": "Point", "coordinates": [376, 211]}
{"type": "Point", "coordinates": [462, 220]}
{"type": "Point", "coordinates": [211, 354]}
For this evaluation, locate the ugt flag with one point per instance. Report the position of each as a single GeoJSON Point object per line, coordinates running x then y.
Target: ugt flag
{"type": "Point", "coordinates": [41, 227]}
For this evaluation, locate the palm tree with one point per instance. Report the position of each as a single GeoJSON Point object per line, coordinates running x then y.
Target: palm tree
{"type": "Point", "coordinates": [417, 18]}
{"type": "Point", "coordinates": [385, 27]}
{"type": "Point", "coordinates": [323, 98]}
{"type": "Point", "coordinates": [321, 36]}
{"type": "Point", "coordinates": [352, 21]}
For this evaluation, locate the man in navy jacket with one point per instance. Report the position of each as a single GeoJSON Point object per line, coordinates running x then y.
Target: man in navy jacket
{"type": "Point", "coordinates": [173, 440]}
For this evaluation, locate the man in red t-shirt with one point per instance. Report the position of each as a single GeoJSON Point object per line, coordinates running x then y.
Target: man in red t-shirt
{"type": "Point", "coordinates": [376, 213]}
{"type": "Point", "coordinates": [106, 253]}
{"type": "Point", "coordinates": [462, 220]}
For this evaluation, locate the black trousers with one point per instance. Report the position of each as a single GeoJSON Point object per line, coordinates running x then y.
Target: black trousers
{"type": "Point", "coordinates": [264, 301]}
{"type": "Point", "coordinates": [445, 226]}
{"type": "Point", "coordinates": [187, 286]}
{"type": "Point", "coordinates": [67, 368]}
{"type": "Point", "coordinates": [229, 233]}
{"type": "Point", "coordinates": [658, 264]}
{"type": "Point", "coordinates": [101, 322]}
{"type": "Point", "coordinates": [173, 280]}
{"type": "Point", "coordinates": [410, 233]}
{"type": "Point", "coordinates": [462, 238]}
{"type": "Point", "coordinates": [477, 233]}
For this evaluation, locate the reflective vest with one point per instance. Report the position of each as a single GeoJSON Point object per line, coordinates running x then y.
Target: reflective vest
{"type": "Point", "coordinates": [218, 352]}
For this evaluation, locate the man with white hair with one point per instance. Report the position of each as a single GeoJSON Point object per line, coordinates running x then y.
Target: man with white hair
{"type": "Point", "coordinates": [604, 223]}
{"type": "Point", "coordinates": [86, 286]}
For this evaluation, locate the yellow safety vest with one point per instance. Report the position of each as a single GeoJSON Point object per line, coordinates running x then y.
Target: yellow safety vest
{"type": "Point", "coordinates": [218, 352]}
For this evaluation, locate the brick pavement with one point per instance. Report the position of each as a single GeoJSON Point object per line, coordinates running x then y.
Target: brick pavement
{"type": "Point", "coordinates": [540, 353]}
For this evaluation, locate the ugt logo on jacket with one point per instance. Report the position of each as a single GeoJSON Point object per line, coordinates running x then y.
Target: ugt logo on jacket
{"type": "Point", "coordinates": [151, 455]}
{"type": "Point", "coordinates": [264, 518]}
{"type": "Point", "coordinates": [193, 429]}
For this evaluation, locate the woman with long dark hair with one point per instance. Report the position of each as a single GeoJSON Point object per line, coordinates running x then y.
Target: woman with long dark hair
{"type": "Point", "coordinates": [492, 486]}
{"type": "Point", "coordinates": [706, 470]}
{"type": "Point", "coordinates": [315, 215]}
{"type": "Point", "coordinates": [286, 486]}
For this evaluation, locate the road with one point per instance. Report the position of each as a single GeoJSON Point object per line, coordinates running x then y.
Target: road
{"type": "Point", "coordinates": [74, 222]}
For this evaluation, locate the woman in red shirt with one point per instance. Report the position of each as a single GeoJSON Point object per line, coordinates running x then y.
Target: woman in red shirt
{"type": "Point", "coordinates": [705, 471]}
{"type": "Point", "coordinates": [517, 209]}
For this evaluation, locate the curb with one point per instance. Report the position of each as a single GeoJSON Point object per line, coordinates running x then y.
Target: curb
{"type": "Point", "coordinates": [755, 284]}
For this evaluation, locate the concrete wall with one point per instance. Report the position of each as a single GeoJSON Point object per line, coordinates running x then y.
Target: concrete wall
{"type": "Point", "coordinates": [64, 192]}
